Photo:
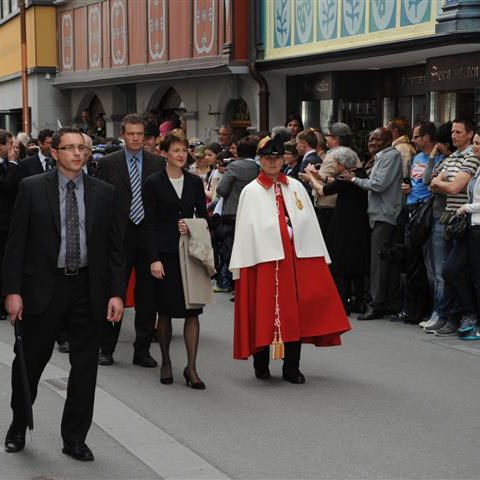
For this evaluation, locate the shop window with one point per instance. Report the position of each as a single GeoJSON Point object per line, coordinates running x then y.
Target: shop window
{"type": "Point", "coordinates": [477, 106]}
{"type": "Point", "coordinates": [412, 108]}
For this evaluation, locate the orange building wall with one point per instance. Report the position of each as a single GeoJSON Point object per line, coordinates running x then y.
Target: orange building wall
{"type": "Point", "coordinates": [137, 28]}
{"type": "Point", "coordinates": [80, 38]}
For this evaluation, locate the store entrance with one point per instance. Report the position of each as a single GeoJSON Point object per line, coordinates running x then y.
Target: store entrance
{"type": "Point", "coordinates": [451, 105]}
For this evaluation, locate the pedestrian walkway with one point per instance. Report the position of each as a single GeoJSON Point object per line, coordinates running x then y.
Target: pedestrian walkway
{"type": "Point", "coordinates": [125, 445]}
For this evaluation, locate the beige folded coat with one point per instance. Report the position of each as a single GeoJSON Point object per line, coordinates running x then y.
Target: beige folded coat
{"type": "Point", "coordinates": [197, 264]}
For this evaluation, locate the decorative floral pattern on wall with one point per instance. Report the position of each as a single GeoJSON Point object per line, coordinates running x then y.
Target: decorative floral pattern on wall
{"type": "Point", "coordinates": [353, 17]}
{"type": "Point", "coordinates": [415, 11]}
{"type": "Point", "coordinates": [282, 23]}
{"type": "Point", "coordinates": [204, 26]}
{"type": "Point", "coordinates": [382, 14]}
{"type": "Point", "coordinates": [327, 19]}
{"type": "Point", "coordinates": [303, 21]}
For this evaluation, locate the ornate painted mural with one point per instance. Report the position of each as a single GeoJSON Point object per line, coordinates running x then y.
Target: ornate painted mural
{"type": "Point", "coordinates": [310, 26]}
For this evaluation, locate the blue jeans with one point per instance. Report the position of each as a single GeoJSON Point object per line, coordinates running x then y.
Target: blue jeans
{"type": "Point", "coordinates": [435, 253]}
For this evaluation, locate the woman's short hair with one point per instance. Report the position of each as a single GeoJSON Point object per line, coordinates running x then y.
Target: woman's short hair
{"type": "Point", "coordinates": [170, 139]}
{"type": "Point", "coordinates": [214, 147]}
{"type": "Point", "coordinates": [343, 132]}
{"type": "Point", "coordinates": [291, 147]}
{"type": "Point", "coordinates": [345, 156]}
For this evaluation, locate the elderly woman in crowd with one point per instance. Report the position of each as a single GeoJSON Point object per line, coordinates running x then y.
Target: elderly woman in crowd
{"type": "Point", "coordinates": [348, 235]}
{"type": "Point", "coordinates": [285, 295]}
{"type": "Point", "coordinates": [169, 196]}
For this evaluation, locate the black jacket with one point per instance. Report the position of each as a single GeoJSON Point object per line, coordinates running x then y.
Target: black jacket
{"type": "Point", "coordinates": [163, 210]}
{"type": "Point", "coordinates": [30, 166]}
{"type": "Point", "coordinates": [113, 169]}
{"type": "Point", "coordinates": [8, 190]}
{"type": "Point", "coordinates": [33, 244]}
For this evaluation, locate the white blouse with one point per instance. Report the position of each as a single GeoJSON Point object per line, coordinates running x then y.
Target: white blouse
{"type": "Point", "coordinates": [177, 185]}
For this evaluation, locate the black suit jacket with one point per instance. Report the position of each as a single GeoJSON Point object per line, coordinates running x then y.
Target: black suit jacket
{"type": "Point", "coordinates": [30, 166]}
{"type": "Point", "coordinates": [8, 191]}
{"type": "Point", "coordinates": [33, 244]}
{"type": "Point", "coordinates": [113, 169]}
{"type": "Point", "coordinates": [163, 210]}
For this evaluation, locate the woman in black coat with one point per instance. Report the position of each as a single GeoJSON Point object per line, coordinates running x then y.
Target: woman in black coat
{"type": "Point", "coordinates": [169, 196]}
{"type": "Point", "coordinates": [348, 235]}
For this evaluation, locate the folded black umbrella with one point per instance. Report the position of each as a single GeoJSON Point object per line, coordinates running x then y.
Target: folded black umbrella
{"type": "Point", "coordinates": [27, 397]}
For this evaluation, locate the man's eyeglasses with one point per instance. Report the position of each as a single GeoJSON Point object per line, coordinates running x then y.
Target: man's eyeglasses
{"type": "Point", "coordinates": [72, 148]}
{"type": "Point", "coordinates": [417, 136]}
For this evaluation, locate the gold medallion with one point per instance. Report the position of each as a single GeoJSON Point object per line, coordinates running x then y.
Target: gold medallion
{"type": "Point", "coordinates": [298, 202]}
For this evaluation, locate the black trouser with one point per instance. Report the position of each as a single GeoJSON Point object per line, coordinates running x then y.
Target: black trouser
{"type": "Point", "coordinates": [145, 311]}
{"type": "Point", "coordinates": [384, 275]}
{"type": "Point", "coordinates": [291, 362]}
{"type": "Point", "coordinates": [70, 305]}
{"type": "Point", "coordinates": [344, 285]}
{"type": "Point", "coordinates": [324, 217]}
{"type": "Point", "coordinates": [456, 274]}
{"type": "Point", "coordinates": [473, 243]}
{"type": "Point", "coordinates": [3, 241]}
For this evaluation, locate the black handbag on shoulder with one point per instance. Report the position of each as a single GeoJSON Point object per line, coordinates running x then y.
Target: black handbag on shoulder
{"type": "Point", "coordinates": [420, 222]}
{"type": "Point", "coordinates": [456, 228]}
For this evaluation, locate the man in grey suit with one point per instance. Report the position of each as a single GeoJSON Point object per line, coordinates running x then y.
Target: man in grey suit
{"type": "Point", "coordinates": [385, 202]}
{"type": "Point", "coordinates": [237, 175]}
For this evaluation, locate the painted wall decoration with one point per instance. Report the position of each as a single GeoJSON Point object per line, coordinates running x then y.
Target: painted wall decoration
{"type": "Point", "coordinates": [415, 11]}
{"type": "Point", "coordinates": [67, 40]}
{"type": "Point", "coordinates": [303, 21]}
{"type": "Point", "coordinates": [157, 29]}
{"type": "Point", "coordinates": [327, 25]}
{"type": "Point", "coordinates": [118, 33]}
{"type": "Point", "coordinates": [382, 15]}
{"type": "Point", "coordinates": [353, 17]}
{"type": "Point", "coordinates": [204, 26]}
{"type": "Point", "coordinates": [327, 19]}
{"type": "Point", "coordinates": [94, 36]}
{"type": "Point", "coordinates": [282, 23]}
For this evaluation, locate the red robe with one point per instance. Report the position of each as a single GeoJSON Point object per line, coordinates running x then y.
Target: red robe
{"type": "Point", "coordinates": [310, 307]}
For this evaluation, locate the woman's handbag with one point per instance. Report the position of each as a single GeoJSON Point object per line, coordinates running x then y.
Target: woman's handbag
{"type": "Point", "coordinates": [456, 228]}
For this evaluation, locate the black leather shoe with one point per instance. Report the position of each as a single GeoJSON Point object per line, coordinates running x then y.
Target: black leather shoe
{"type": "Point", "coordinates": [3, 316]}
{"type": "Point", "coordinates": [146, 361]}
{"type": "Point", "coordinates": [188, 381]}
{"type": "Point", "coordinates": [15, 439]}
{"type": "Point", "coordinates": [263, 374]}
{"type": "Point", "coordinates": [371, 314]}
{"type": "Point", "coordinates": [78, 451]}
{"type": "Point", "coordinates": [105, 359]}
{"type": "Point", "coordinates": [296, 378]}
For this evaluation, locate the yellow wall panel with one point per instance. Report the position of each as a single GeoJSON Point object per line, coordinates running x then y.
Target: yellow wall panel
{"type": "Point", "coordinates": [41, 41]}
{"type": "Point", "coordinates": [46, 36]}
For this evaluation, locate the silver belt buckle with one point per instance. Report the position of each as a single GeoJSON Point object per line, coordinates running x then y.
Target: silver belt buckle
{"type": "Point", "coordinates": [70, 273]}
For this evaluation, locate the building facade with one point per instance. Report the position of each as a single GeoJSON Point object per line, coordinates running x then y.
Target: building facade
{"type": "Point", "coordinates": [365, 61]}
{"type": "Point", "coordinates": [47, 104]}
{"type": "Point", "coordinates": [188, 57]}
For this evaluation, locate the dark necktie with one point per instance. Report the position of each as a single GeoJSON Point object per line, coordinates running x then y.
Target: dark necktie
{"type": "Point", "coordinates": [72, 225]}
{"type": "Point", "coordinates": [136, 207]}
{"type": "Point", "coordinates": [47, 164]}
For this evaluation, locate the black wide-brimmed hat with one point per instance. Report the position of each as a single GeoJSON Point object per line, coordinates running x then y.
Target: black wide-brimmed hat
{"type": "Point", "coordinates": [269, 146]}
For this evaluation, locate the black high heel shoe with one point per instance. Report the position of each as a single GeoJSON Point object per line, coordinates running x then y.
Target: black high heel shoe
{"type": "Point", "coordinates": [196, 386]}
{"type": "Point", "coordinates": [166, 380]}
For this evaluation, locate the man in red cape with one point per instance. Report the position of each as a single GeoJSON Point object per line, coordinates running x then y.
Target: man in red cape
{"type": "Point", "coordinates": [284, 293]}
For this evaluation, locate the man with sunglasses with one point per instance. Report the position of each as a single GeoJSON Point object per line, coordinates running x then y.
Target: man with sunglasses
{"type": "Point", "coordinates": [64, 266]}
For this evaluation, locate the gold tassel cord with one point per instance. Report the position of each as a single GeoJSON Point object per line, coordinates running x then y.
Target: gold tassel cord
{"type": "Point", "coordinates": [277, 348]}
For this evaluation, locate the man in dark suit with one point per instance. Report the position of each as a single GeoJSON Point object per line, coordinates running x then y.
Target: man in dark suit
{"type": "Point", "coordinates": [63, 264]}
{"type": "Point", "coordinates": [127, 170]}
{"type": "Point", "coordinates": [8, 192]}
{"type": "Point", "coordinates": [41, 161]}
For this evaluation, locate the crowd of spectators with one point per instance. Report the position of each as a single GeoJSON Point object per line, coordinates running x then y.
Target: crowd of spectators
{"type": "Point", "coordinates": [402, 223]}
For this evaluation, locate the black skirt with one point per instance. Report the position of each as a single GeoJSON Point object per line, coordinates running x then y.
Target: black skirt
{"type": "Point", "coordinates": [170, 298]}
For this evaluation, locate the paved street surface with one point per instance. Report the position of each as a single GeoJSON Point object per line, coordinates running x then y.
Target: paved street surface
{"type": "Point", "coordinates": [391, 403]}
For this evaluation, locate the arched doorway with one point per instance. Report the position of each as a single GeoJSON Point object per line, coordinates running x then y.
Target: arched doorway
{"type": "Point", "coordinates": [237, 114]}
{"type": "Point", "coordinates": [167, 105]}
{"type": "Point", "coordinates": [90, 115]}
